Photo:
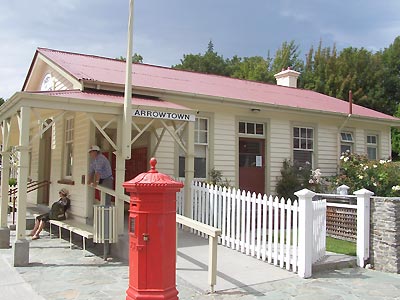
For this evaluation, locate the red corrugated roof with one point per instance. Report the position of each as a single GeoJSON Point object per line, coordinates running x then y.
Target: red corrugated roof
{"type": "Point", "coordinates": [112, 98]}
{"type": "Point", "coordinates": [89, 67]}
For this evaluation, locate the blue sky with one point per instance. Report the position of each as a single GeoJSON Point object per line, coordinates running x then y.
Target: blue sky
{"type": "Point", "coordinates": [165, 30]}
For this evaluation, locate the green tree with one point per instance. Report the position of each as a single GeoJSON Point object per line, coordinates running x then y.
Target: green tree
{"type": "Point", "coordinates": [136, 58]}
{"type": "Point", "coordinates": [396, 138]}
{"type": "Point", "coordinates": [359, 70]}
{"type": "Point", "coordinates": [320, 70]}
{"type": "Point", "coordinates": [210, 62]}
{"type": "Point", "coordinates": [391, 72]}
{"type": "Point", "coordinates": [252, 68]}
{"type": "Point", "coordinates": [287, 56]}
{"type": "Point", "coordinates": [1, 100]}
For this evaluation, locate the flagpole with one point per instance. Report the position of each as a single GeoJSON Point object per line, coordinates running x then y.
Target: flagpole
{"type": "Point", "coordinates": [127, 124]}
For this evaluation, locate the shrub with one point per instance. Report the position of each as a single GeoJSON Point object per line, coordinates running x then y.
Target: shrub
{"type": "Point", "coordinates": [295, 177]}
{"type": "Point", "coordinates": [357, 171]}
{"type": "Point", "coordinates": [216, 178]}
{"type": "Point", "coordinates": [12, 181]}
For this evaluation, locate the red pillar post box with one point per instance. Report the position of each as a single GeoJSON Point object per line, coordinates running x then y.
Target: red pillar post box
{"type": "Point", "coordinates": [152, 235]}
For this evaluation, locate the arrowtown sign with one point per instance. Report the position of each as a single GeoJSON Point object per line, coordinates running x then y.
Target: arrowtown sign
{"type": "Point", "coordinates": [143, 113]}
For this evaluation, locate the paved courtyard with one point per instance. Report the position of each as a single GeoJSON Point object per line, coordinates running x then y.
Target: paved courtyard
{"type": "Point", "coordinates": [57, 272]}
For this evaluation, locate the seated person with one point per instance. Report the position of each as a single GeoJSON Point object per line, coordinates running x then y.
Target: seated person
{"type": "Point", "coordinates": [57, 212]}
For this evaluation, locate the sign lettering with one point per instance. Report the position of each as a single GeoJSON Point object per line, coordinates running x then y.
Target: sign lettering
{"type": "Point", "coordinates": [163, 115]}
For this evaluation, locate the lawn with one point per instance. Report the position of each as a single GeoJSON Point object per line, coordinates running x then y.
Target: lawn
{"type": "Point", "coordinates": [335, 245]}
{"type": "Point", "coordinates": [340, 246]}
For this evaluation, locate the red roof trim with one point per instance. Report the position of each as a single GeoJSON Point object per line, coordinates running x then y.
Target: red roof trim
{"type": "Point", "coordinates": [112, 71]}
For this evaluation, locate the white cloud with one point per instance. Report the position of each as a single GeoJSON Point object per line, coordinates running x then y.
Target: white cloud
{"type": "Point", "coordinates": [164, 31]}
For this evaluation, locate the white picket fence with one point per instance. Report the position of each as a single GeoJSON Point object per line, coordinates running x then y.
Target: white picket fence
{"type": "Point", "coordinates": [262, 226]}
{"type": "Point", "coordinates": [319, 229]}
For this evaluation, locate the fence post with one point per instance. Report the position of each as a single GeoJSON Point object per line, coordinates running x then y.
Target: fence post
{"type": "Point", "coordinates": [363, 225]}
{"type": "Point", "coordinates": [305, 232]}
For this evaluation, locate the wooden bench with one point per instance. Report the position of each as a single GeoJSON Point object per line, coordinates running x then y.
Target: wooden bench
{"type": "Point", "coordinates": [73, 226]}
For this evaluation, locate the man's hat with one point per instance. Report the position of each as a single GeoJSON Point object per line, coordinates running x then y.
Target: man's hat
{"type": "Point", "coordinates": [94, 148]}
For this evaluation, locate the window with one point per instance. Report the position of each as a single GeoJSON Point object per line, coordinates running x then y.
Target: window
{"type": "Point", "coordinates": [201, 133]}
{"type": "Point", "coordinates": [249, 128]}
{"type": "Point", "coordinates": [68, 147]}
{"type": "Point", "coordinates": [303, 145]}
{"type": "Point", "coordinates": [346, 142]}
{"type": "Point", "coordinates": [372, 147]}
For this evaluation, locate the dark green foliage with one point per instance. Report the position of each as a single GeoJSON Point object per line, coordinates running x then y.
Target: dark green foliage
{"type": "Point", "coordinates": [216, 178]}
{"type": "Point", "coordinates": [12, 182]}
{"type": "Point", "coordinates": [136, 58]}
{"type": "Point", "coordinates": [293, 178]}
{"type": "Point", "coordinates": [210, 62]}
{"type": "Point", "coordinates": [287, 56]}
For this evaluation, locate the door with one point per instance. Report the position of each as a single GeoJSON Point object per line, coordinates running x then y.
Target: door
{"type": "Point", "coordinates": [44, 165]}
{"type": "Point", "coordinates": [137, 164]}
{"type": "Point", "coordinates": [252, 165]}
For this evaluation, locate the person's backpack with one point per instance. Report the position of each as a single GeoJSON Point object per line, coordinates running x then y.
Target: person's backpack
{"type": "Point", "coordinates": [57, 212]}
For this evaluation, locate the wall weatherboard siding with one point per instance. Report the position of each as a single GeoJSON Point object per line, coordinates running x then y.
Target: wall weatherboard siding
{"type": "Point", "coordinates": [225, 146]}
{"type": "Point", "coordinates": [327, 150]}
{"type": "Point", "coordinates": [359, 141]}
{"type": "Point", "coordinates": [280, 149]}
{"type": "Point", "coordinates": [385, 149]}
{"type": "Point", "coordinates": [385, 234]}
{"type": "Point", "coordinates": [80, 167]}
{"type": "Point", "coordinates": [165, 154]}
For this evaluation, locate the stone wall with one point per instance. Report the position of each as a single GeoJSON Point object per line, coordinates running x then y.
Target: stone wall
{"type": "Point", "coordinates": [385, 234]}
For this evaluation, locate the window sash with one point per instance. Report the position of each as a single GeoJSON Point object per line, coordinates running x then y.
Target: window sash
{"type": "Point", "coordinates": [303, 138]}
{"type": "Point", "coordinates": [346, 137]}
{"type": "Point", "coordinates": [372, 146]}
{"type": "Point", "coordinates": [346, 147]}
{"type": "Point", "coordinates": [251, 128]}
{"type": "Point", "coordinates": [201, 131]}
{"type": "Point", "coordinates": [303, 157]}
{"type": "Point", "coordinates": [372, 153]}
{"type": "Point", "coordinates": [201, 136]}
{"type": "Point", "coordinates": [372, 140]}
{"type": "Point", "coordinates": [68, 147]}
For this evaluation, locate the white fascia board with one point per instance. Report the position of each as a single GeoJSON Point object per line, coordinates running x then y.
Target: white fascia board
{"type": "Point", "coordinates": [75, 82]}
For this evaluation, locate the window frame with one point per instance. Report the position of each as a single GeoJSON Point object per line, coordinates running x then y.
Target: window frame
{"type": "Point", "coordinates": [199, 146]}
{"type": "Point", "coordinates": [68, 141]}
{"type": "Point", "coordinates": [255, 130]}
{"type": "Point", "coordinates": [374, 146]}
{"type": "Point", "coordinates": [306, 139]}
{"type": "Point", "coordinates": [347, 141]}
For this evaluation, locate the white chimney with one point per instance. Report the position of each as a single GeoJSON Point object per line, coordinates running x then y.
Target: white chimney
{"type": "Point", "coordinates": [287, 78]}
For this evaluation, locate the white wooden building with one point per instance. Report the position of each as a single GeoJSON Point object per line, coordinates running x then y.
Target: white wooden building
{"type": "Point", "coordinates": [244, 129]}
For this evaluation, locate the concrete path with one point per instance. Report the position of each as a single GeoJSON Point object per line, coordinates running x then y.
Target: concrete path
{"type": "Point", "coordinates": [57, 272]}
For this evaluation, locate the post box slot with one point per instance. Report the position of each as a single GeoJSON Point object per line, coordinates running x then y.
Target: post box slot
{"type": "Point", "coordinates": [132, 225]}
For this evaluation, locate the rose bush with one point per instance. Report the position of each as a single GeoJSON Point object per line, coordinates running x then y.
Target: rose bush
{"type": "Point", "coordinates": [357, 171]}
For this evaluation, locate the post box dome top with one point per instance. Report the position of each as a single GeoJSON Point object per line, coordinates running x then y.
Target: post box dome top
{"type": "Point", "coordinates": [153, 178]}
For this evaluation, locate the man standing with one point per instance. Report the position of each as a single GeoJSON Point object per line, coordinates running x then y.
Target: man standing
{"type": "Point", "coordinates": [100, 172]}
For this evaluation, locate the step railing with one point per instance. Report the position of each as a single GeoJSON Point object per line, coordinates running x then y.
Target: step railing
{"type": "Point", "coordinates": [31, 186]}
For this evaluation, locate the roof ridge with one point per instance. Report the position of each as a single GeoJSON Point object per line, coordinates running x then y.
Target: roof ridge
{"type": "Point", "coordinates": [163, 67]}
{"type": "Point", "coordinates": [78, 54]}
